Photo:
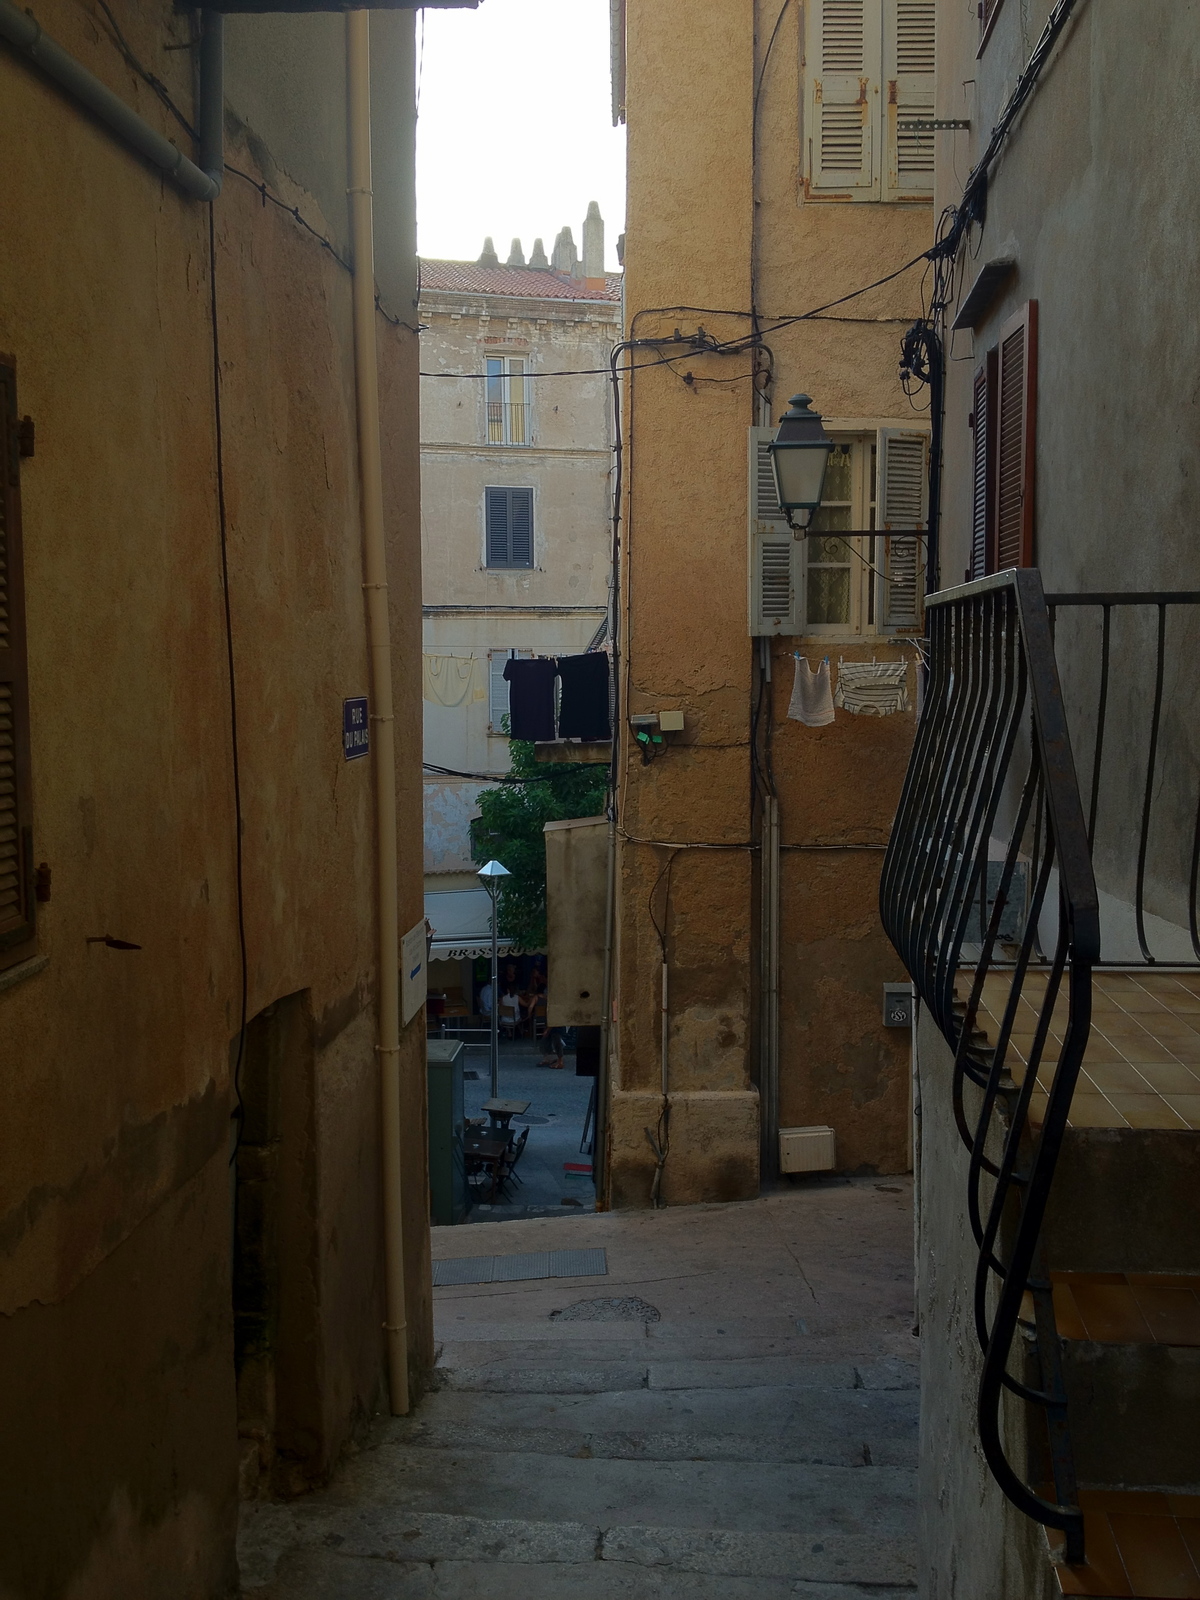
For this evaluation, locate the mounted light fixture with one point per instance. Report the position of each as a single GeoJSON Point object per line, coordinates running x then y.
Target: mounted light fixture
{"type": "Point", "coordinates": [800, 454]}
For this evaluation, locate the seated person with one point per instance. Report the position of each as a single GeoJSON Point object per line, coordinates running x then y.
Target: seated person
{"type": "Point", "coordinates": [485, 1000]}
{"type": "Point", "coordinates": [535, 989]}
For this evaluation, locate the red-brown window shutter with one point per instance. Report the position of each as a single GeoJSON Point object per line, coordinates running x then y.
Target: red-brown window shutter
{"type": "Point", "coordinates": [16, 826]}
{"type": "Point", "coordinates": [987, 16]}
{"type": "Point", "coordinates": [1016, 439]}
{"type": "Point", "coordinates": [983, 421]}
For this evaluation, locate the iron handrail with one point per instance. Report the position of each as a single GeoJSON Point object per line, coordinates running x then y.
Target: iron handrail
{"type": "Point", "coordinates": [993, 706]}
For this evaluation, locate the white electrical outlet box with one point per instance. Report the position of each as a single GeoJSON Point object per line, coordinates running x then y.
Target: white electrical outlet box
{"type": "Point", "coordinates": [806, 1149]}
{"type": "Point", "coordinates": [671, 721]}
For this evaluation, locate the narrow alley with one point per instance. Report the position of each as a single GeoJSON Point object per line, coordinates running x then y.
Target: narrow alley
{"type": "Point", "coordinates": [730, 1412]}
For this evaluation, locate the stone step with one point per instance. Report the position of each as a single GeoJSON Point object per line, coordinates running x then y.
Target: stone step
{"type": "Point", "coordinates": [1134, 1412]}
{"type": "Point", "coordinates": [276, 1536]}
{"type": "Point", "coordinates": [832, 1427]}
{"type": "Point", "coordinates": [327, 1575]}
{"type": "Point", "coordinates": [507, 1377]}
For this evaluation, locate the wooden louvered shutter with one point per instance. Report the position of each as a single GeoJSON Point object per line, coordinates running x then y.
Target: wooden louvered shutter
{"type": "Point", "coordinates": [496, 531]}
{"type": "Point", "coordinates": [902, 501]}
{"type": "Point", "coordinates": [983, 462]}
{"type": "Point", "coordinates": [1016, 439]}
{"type": "Point", "coordinates": [987, 16]}
{"type": "Point", "coordinates": [520, 527]}
{"type": "Point", "coordinates": [775, 556]}
{"type": "Point", "coordinates": [909, 53]}
{"type": "Point", "coordinates": [16, 827]}
{"type": "Point", "coordinates": [842, 60]}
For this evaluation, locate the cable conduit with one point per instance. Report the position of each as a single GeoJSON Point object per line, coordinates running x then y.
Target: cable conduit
{"type": "Point", "coordinates": [29, 40]}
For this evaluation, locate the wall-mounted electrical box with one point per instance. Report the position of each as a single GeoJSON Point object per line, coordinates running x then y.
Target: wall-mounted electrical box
{"type": "Point", "coordinates": [806, 1149]}
{"type": "Point", "coordinates": [670, 721]}
{"type": "Point", "coordinates": [897, 1005]}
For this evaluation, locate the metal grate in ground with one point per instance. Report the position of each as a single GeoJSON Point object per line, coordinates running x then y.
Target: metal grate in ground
{"type": "Point", "coordinates": [515, 1269]}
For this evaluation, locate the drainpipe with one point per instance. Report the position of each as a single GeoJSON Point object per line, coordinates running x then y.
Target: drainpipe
{"type": "Point", "coordinates": [366, 376]}
{"type": "Point", "coordinates": [26, 37]}
{"type": "Point", "coordinates": [604, 1081]}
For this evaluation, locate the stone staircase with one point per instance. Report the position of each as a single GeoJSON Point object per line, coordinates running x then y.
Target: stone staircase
{"type": "Point", "coordinates": [745, 1458]}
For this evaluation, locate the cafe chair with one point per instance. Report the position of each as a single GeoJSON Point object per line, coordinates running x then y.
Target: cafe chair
{"type": "Point", "coordinates": [509, 1168]}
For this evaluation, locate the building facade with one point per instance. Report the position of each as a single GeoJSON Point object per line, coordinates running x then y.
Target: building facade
{"type": "Point", "coordinates": [1063, 1049]}
{"type": "Point", "coordinates": [750, 845]}
{"type": "Point", "coordinates": [516, 469]}
{"type": "Point", "coordinates": [192, 1264]}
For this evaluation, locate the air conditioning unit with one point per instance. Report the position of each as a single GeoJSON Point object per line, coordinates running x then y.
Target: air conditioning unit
{"type": "Point", "coordinates": [806, 1150]}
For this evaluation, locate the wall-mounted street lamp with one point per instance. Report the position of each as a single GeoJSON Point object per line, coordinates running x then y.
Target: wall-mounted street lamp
{"type": "Point", "coordinates": [800, 454]}
{"type": "Point", "coordinates": [492, 875]}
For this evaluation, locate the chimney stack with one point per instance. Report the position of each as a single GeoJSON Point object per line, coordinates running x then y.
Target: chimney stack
{"type": "Point", "coordinates": [565, 258]}
{"type": "Point", "coordinates": [538, 256]}
{"type": "Point", "coordinates": [488, 256]}
{"type": "Point", "coordinates": [593, 248]}
{"type": "Point", "coordinates": [516, 256]}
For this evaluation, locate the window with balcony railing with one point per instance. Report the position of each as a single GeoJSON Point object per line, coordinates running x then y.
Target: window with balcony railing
{"type": "Point", "coordinates": [507, 400]}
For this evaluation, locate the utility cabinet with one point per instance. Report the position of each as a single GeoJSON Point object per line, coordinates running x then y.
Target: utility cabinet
{"type": "Point", "coordinates": [448, 1196]}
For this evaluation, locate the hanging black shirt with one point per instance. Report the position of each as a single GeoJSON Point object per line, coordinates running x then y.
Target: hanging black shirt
{"type": "Point", "coordinates": [530, 699]}
{"type": "Point", "coordinates": [583, 703]}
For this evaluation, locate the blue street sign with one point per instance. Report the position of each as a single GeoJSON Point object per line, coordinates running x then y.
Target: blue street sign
{"type": "Point", "coordinates": [356, 729]}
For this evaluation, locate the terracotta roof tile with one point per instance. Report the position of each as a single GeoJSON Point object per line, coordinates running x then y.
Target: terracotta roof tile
{"type": "Point", "coordinates": [527, 283]}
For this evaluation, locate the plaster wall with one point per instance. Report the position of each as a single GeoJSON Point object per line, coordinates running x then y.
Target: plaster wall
{"type": "Point", "coordinates": [553, 608]}
{"type": "Point", "coordinates": [114, 1197]}
{"type": "Point", "coordinates": [1089, 197]}
{"type": "Point", "coordinates": [717, 219]}
{"type": "Point", "coordinates": [973, 1543]}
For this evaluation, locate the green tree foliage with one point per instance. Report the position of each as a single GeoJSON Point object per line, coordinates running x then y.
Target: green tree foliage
{"type": "Point", "coordinates": [509, 830]}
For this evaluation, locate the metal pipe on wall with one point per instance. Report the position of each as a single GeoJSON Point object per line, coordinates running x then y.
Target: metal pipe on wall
{"type": "Point", "coordinates": [366, 376]}
{"type": "Point", "coordinates": [26, 36]}
{"type": "Point", "coordinates": [604, 1077]}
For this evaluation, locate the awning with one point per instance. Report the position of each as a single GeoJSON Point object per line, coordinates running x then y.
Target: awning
{"type": "Point", "coordinates": [461, 920]}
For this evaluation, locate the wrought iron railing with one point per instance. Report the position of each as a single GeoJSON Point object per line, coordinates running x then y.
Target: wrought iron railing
{"type": "Point", "coordinates": [988, 882]}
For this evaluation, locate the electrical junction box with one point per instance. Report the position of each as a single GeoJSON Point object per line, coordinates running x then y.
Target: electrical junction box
{"type": "Point", "coordinates": [806, 1149]}
{"type": "Point", "coordinates": [643, 721]}
{"type": "Point", "coordinates": [670, 721]}
{"type": "Point", "coordinates": [897, 1005]}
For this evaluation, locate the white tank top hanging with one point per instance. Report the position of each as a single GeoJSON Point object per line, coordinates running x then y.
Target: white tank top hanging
{"type": "Point", "coordinates": [812, 697]}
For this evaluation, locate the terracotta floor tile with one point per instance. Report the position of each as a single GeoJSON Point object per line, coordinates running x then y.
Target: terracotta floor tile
{"type": "Point", "coordinates": [1188, 1107]}
{"type": "Point", "coordinates": [1171, 1026]}
{"type": "Point", "coordinates": [1146, 1110]}
{"type": "Point", "coordinates": [1170, 1077]}
{"type": "Point", "coordinates": [1037, 1109]}
{"type": "Point", "coordinates": [1104, 1573]}
{"type": "Point", "coordinates": [1073, 1278]}
{"type": "Point", "coordinates": [1101, 1050]}
{"type": "Point", "coordinates": [1164, 984]}
{"type": "Point", "coordinates": [1136, 1502]}
{"type": "Point", "coordinates": [1141, 1046]}
{"type": "Point", "coordinates": [1110, 1313]}
{"type": "Point", "coordinates": [1119, 1075]}
{"type": "Point", "coordinates": [1172, 1315]}
{"type": "Point", "coordinates": [1137, 999]}
{"type": "Point", "coordinates": [1189, 1528]}
{"type": "Point", "coordinates": [1164, 1280]}
{"type": "Point", "coordinates": [1184, 1050]}
{"type": "Point", "coordinates": [1155, 1556]}
{"type": "Point", "coordinates": [1066, 1313]}
{"type": "Point", "coordinates": [1094, 1111]}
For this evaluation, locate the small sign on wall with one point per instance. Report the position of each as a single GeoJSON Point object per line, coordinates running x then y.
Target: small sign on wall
{"type": "Point", "coordinates": [413, 977]}
{"type": "Point", "coordinates": [356, 729]}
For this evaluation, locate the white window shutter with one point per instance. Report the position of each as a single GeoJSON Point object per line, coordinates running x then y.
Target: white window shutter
{"type": "Point", "coordinates": [498, 689]}
{"type": "Point", "coordinates": [842, 92]}
{"type": "Point", "coordinates": [909, 56]}
{"type": "Point", "coordinates": [902, 502]}
{"type": "Point", "coordinates": [776, 570]}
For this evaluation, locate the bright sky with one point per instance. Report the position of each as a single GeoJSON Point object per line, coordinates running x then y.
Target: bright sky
{"type": "Point", "coordinates": [515, 134]}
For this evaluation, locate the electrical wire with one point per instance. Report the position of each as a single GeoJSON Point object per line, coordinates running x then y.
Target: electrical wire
{"type": "Point", "coordinates": [239, 1111]}
{"type": "Point", "coordinates": [147, 77]}
{"type": "Point", "coordinates": [495, 777]}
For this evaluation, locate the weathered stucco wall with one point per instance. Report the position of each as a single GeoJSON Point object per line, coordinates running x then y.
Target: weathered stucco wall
{"type": "Point", "coordinates": [973, 1543]}
{"type": "Point", "coordinates": [1091, 200]}
{"type": "Point", "coordinates": [716, 219]}
{"type": "Point", "coordinates": [115, 1229]}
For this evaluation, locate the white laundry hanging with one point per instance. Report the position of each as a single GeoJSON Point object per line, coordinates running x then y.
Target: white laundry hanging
{"type": "Point", "coordinates": [872, 688]}
{"type": "Point", "coordinates": [812, 697]}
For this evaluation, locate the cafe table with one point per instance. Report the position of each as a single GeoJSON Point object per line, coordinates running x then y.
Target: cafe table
{"type": "Point", "coordinates": [489, 1153]}
{"type": "Point", "coordinates": [502, 1112]}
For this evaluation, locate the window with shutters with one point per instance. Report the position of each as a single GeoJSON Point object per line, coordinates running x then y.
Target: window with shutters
{"type": "Point", "coordinates": [776, 557]}
{"type": "Point", "coordinates": [508, 527]}
{"type": "Point", "coordinates": [988, 12]}
{"type": "Point", "coordinates": [983, 469]}
{"type": "Point", "coordinates": [507, 400]}
{"type": "Point", "coordinates": [869, 73]}
{"type": "Point", "coordinates": [498, 687]}
{"type": "Point", "coordinates": [16, 823]}
{"type": "Point", "coordinates": [1015, 440]}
